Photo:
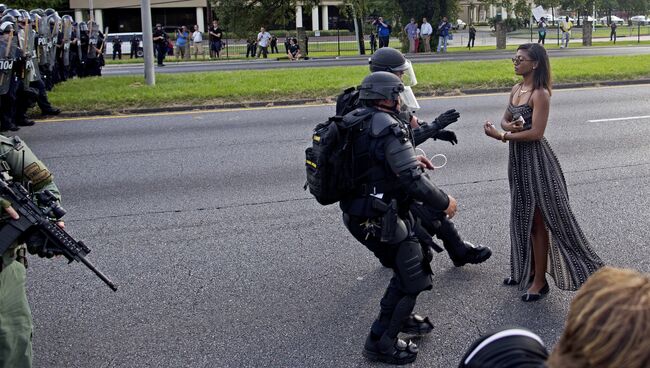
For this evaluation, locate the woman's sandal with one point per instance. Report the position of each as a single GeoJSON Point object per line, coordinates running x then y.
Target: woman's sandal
{"type": "Point", "coordinates": [533, 297]}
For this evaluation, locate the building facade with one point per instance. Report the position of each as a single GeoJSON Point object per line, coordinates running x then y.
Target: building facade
{"type": "Point", "coordinates": [124, 15]}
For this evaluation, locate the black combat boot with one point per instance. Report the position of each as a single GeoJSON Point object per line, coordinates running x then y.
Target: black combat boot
{"type": "Point", "coordinates": [460, 252]}
{"type": "Point", "coordinates": [417, 325]}
{"type": "Point", "coordinates": [397, 351]}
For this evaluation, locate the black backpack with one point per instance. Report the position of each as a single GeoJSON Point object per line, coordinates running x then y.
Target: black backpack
{"type": "Point", "coordinates": [329, 161]}
{"type": "Point", "coordinates": [347, 101]}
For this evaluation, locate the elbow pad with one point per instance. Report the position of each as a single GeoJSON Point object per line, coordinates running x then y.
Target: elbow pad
{"type": "Point", "coordinates": [400, 156]}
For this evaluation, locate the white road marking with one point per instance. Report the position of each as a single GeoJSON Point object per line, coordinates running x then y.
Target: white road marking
{"type": "Point", "coordinates": [619, 119]}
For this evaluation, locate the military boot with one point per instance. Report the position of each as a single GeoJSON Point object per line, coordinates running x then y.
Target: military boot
{"type": "Point", "coordinates": [460, 252]}
{"type": "Point", "coordinates": [390, 351]}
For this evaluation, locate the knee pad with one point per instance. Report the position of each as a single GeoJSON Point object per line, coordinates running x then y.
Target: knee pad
{"type": "Point", "coordinates": [412, 269]}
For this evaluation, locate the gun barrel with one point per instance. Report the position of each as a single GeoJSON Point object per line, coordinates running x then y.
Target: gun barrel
{"type": "Point", "coordinates": [97, 272]}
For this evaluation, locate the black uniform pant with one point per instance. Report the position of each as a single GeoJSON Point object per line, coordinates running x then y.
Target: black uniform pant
{"type": "Point", "coordinates": [412, 275]}
{"type": "Point", "coordinates": [161, 50]}
{"type": "Point", "coordinates": [118, 53]}
{"type": "Point", "coordinates": [8, 104]}
{"type": "Point", "coordinates": [41, 100]}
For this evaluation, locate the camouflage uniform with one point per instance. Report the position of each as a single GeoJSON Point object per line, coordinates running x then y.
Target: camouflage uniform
{"type": "Point", "coordinates": [15, 315]}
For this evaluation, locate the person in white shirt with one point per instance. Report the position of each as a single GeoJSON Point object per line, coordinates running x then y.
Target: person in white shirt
{"type": "Point", "coordinates": [197, 42]}
{"type": "Point", "coordinates": [425, 31]}
{"type": "Point", "coordinates": [263, 39]}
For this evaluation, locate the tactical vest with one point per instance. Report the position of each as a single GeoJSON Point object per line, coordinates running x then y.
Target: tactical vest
{"type": "Point", "coordinates": [373, 177]}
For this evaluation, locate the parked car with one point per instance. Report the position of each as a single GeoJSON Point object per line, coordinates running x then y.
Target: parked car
{"type": "Point", "coordinates": [640, 19]}
{"type": "Point", "coordinates": [126, 43]}
{"type": "Point", "coordinates": [459, 25]}
{"type": "Point", "coordinates": [614, 18]}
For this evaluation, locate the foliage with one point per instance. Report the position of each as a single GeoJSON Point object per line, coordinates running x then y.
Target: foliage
{"type": "Point", "coordinates": [43, 4]}
{"type": "Point", "coordinates": [243, 17]}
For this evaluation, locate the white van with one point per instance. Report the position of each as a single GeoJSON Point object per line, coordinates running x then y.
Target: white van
{"type": "Point", "coordinates": [126, 44]}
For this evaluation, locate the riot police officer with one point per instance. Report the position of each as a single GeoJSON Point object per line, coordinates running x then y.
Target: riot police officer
{"type": "Point", "coordinates": [8, 80]}
{"type": "Point", "coordinates": [19, 162]}
{"type": "Point", "coordinates": [428, 222]}
{"type": "Point", "coordinates": [388, 179]}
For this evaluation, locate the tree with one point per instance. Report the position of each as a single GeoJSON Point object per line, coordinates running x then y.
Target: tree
{"type": "Point", "coordinates": [241, 17]}
{"type": "Point", "coordinates": [43, 4]}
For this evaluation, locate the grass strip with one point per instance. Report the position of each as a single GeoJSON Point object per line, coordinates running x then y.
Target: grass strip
{"type": "Point", "coordinates": [213, 88]}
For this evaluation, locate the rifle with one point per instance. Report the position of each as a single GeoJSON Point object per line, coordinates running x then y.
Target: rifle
{"type": "Point", "coordinates": [36, 228]}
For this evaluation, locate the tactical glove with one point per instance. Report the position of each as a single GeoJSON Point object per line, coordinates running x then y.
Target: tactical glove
{"type": "Point", "coordinates": [446, 135]}
{"type": "Point", "coordinates": [447, 117]}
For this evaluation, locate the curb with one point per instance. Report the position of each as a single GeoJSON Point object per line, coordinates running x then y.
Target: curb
{"type": "Point", "coordinates": [239, 105]}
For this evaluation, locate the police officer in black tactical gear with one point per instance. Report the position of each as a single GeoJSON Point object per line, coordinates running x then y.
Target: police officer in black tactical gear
{"type": "Point", "coordinates": [389, 178]}
{"type": "Point", "coordinates": [429, 222]}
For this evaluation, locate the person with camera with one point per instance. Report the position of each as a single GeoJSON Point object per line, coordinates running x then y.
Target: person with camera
{"type": "Point", "coordinates": [383, 31]}
{"type": "Point", "coordinates": [18, 162]}
{"type": "Point", "coordinates": [182, 43]}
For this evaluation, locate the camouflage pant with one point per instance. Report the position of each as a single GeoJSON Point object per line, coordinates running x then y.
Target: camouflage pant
{"type": "Point", "coordinates": [15, 317]}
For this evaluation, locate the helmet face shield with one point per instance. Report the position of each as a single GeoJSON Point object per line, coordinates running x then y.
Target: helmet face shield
{"type": "Point", "coordinates": [408, 100]}
{"type": "Point", "coordinates": [408, 74]}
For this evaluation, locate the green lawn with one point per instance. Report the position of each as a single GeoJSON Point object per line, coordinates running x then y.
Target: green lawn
{"type": "Point", "coordinates": [115, 93]}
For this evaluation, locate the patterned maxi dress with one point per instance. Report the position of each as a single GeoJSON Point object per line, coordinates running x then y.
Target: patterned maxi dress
{"type": "Point", "coordinates": [536, 180]}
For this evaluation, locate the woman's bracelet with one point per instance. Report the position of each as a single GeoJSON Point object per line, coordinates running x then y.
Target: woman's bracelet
{"type": "Point", "coordinates": [503, 136]}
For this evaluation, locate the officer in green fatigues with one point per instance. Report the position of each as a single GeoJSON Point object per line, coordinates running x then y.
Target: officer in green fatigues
{"type": "Point", "coordinates": [18, 161]}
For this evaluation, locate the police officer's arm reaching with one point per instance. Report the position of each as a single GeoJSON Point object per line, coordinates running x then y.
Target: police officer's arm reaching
{"type": "Point", "coordinates": [403, 161]}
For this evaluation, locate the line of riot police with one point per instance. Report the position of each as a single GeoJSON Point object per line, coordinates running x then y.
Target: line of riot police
{"type": "Point", "coordinates": [39, 49]}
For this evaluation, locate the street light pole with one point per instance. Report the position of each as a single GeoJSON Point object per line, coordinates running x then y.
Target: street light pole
{"type": "Point", "coordinates": [147, 42]}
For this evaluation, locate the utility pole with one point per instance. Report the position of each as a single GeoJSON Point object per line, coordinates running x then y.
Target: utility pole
{"type": "Point", "coordinates": [91, 10]}
{"type": "Point", "coordinates": [147, 42]}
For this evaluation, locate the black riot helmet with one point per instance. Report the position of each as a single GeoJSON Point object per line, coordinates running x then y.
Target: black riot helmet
{"type": "Point", "coordinates": [3, 7]}
{"type": "Point", "coordinates": [387, 59]}
{"type": "Point", "coordinates": [38, 11]}
{"type": "Point", "coordinates": [13, 12]}
{"type": "Point", "coordinates": [24, 15]}
{"type": "Point", "coordinates": [67, 18]}
{"type": "Point", "coordinates": [381, 86]}
{"type": "Point", "coordinates": [6, 26]}
{"type": "Point", "coordinates": [49, 11]}
{"type": "Point", "coordinates": [34, 17]}
{"type": "Point", "coordinates": [83, 27]}
{"type": "Point", "coordinates": [8, 18]}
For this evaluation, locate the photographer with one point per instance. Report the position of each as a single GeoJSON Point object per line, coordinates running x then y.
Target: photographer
{"type": "Point", "coordinates": [182, 44]}
{"type": "Point", "coordinates": [383, 31]}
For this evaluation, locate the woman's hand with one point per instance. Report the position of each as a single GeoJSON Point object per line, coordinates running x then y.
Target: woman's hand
{"type": "Point", "coordinates": [513, 126]}
{"type": "Point", "coordinates": [491, 130]}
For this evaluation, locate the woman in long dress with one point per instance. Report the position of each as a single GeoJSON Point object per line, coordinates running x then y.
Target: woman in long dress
{"type": "Point", "coordinates": [539, 197]}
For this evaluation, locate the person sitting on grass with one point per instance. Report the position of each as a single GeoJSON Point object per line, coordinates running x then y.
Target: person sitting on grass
{"type": "Point", "coordinates": [294, 50]}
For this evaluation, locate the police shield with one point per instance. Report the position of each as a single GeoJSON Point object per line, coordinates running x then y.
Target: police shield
{"type": "Point", "coordinates": [8, 44]}
{"type": "Point", "coordinates": [42, 44]}
{"type": "Point", "coordinates": [66, 30]}
{"type": "Point", "coordinates": [54, 23]}
{"type": "Point", "coordinates": [93, 39]}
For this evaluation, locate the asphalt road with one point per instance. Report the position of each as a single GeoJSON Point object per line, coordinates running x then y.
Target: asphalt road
{"type": "Point", "coordinates": [257, 64]}
{"type": "Point", "coordinates": [222, 260]}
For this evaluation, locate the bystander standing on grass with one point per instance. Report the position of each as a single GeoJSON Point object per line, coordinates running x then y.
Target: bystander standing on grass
{"type": "Point", "coordinates": [197, 42]}
{"type": "Point", "coordinates": [182, 43]}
